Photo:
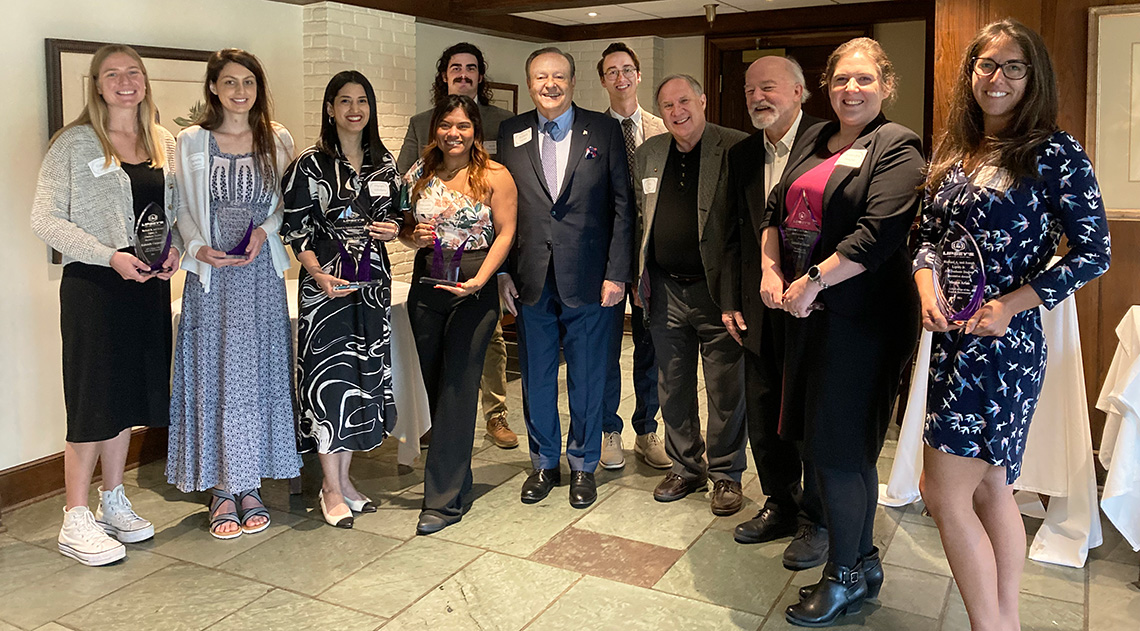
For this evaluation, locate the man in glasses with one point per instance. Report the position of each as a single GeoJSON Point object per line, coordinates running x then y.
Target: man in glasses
{"type": "Point", "coordinates": [620, 72]}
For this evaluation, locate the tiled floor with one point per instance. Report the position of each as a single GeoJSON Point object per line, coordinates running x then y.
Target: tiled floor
{"type": "Point", "coordinates": [626, 563]}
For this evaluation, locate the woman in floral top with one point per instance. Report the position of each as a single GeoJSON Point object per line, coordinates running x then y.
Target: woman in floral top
{"type": "Point", "coordinates": [462, 242]}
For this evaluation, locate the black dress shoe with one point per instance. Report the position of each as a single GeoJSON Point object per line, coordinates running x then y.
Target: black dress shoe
{"type": "Point", "coordinates": [539, 483]}
{"type": "Point", "coordinates": [841, 592]}
{"type": "Point", "coordinates": [583, 489]}
{"type": "Point", "coordinates": [808, 548]}
{"type": "Point", "coordinates": [769, 524]}
{"type": "Point", "coordinates": [674, 487]}
{"type": "Point", "coordinates": [430, 522]}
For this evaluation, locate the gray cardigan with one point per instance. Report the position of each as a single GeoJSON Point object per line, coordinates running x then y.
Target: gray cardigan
{"type": "Point", "coordinates": [85, 210]}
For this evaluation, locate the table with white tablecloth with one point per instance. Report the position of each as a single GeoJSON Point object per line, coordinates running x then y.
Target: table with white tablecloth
{"type": "Point", "coordinates": [1120, 445]}
{"type": "Point", "coordinates": [413, 413]}
{"type": "Point", "coordinates": [1058, 459]}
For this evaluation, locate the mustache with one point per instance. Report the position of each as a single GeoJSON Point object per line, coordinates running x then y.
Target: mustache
{"type": "Point", "coordinates": [462, 80]}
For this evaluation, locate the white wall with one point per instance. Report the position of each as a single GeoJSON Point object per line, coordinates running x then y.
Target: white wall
{"type": "Point", "coordinates": [684, 55]}
{"type": "Point", "coordinates": [31, 398]}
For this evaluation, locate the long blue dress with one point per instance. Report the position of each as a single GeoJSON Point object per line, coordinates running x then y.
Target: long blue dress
{"type": "Point", "coordinates": [983, 390]}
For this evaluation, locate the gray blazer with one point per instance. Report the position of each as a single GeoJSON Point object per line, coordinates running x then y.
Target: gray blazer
{"type": "Point", "coordinates": [712, 196]}
{"type": "Point", "coordinates": [418, 136]}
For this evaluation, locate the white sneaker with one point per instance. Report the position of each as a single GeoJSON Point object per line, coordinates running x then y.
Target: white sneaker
{"type": "Point", "coordinates": [119, 520]}
{"type": "Point", "coordinates": [612, 455]}
{"type": "Point", "coordinates": [83, 540]}
{"type": "Point", "coordinates": [650, 449]}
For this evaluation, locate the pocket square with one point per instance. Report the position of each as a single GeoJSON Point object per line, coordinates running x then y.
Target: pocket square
{"type": "Point", "coordinates": [591, 152]}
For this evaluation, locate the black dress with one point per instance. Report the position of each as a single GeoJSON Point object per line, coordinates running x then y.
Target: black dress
{"type": "Point", "coordinates": [116, 339]}
{"type": "Point", "coordinates": [344, 357]}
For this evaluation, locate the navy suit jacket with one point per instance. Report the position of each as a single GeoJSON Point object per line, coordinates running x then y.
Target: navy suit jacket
{"type": "Point", "coordinates": [586, 233]}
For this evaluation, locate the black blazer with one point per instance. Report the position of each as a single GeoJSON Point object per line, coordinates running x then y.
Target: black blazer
{"type": "Point", "coordinates": [867, 215]}
{"type": "Point", "coordinates": [586, 233]}
{"type": "Point", "coordinates": [747, 205]}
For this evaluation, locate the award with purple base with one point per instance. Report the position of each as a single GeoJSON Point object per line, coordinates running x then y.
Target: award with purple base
{"type": "Point", "coordinates": [444, 265]}
{"type": "Point", "coordinates": [959, 274]}
{"type": "Point", "coordinates": [152, 238]}
{"type": "Point", "coordinates": [239, 250]}
{"type": "Point", "coordinates": [799, 235]}
{"type": "Point", "coordinates": [354, 243]}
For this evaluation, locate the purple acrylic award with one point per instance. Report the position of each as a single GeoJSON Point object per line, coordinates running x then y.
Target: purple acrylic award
{"type": "Point", "coordinates": [444, 265]}
{"type": "Point", "coordinates": [799, 234]}
{"type": "Point", "coordinates": [152, 238]}
{"type": "Point", "coordinates": [354, 244]}
{"type": "Point", "coordinates": [239, 250]}
{"type": "Point", "coordinates": [959, 274]}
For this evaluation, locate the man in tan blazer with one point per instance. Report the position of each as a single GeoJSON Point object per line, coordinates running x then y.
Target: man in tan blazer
{"type": "Point", "coordinates": [619, 70]}
{"type": "Point", "coordinates": [681, 188]}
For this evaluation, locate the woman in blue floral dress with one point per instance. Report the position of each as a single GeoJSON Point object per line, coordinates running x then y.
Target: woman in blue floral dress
{"type": "Point", "coordinates": [1005, 173]}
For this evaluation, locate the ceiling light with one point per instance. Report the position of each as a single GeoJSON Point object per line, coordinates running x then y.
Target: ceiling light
{"type": "Point", "coordinates": [592, 14]}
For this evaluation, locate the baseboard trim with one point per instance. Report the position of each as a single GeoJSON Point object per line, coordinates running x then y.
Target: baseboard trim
{"type": "Point", "coordinates": [35, 480]}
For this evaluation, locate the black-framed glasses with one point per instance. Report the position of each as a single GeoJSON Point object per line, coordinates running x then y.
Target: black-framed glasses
{"type": "Point", "coordinates": [628, 71]}
{"type": "Point", "coordinates": [1013, 70]}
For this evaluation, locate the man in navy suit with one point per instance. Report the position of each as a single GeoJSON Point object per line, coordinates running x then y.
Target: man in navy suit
{"type": "Point", "coordinates": [569, 266]}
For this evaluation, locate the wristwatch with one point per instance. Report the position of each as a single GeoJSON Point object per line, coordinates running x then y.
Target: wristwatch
{"type": "Point", "coordinates": [816, 277]}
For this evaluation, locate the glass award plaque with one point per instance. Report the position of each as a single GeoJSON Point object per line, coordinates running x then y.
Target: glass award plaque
{"type": "Point", "coordinates": [959, 274]}
{"type": "Point", "coordinates": [444, 265]}
{"type": "Point", "coordinates": [239, 250]}
{"type": "Point", "coordinates": [152, 237]}
{"type": "Point", "coordinates": [799, 234]}
{"type": "Point", "coordinates": [354, 244]}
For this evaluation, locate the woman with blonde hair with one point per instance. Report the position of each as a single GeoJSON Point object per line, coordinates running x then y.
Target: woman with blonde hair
{"type": "Point", "coordinates": [835, 260]}
{"type": "Point", "coordinates": [1006, 178]}
{"type": "Point", "coordinates": [231, 412]}
{"type": "Point", "coordinates": [101, 174]}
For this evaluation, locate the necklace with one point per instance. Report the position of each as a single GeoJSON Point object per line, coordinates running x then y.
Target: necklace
{"type": "Point", "coordinates": [448, 175]}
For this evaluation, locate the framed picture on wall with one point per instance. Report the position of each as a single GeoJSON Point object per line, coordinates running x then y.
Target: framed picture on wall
{"type": "Point", "coordinates": [505, 95]}
{"type": "Point", "coordinates": [175, 74]}
{"type": "Point", "coordinates": [1113, 107]}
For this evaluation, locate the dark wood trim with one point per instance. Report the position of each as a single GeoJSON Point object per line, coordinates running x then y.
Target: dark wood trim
{"type": "Point", "coordinates": [502, 7]}
{"type": "Point", "coordinates": [509, 87]}
{"type": "Point", "coordinates": [441, 14]}
{"type": "Point", "coordinates": [35, 480]}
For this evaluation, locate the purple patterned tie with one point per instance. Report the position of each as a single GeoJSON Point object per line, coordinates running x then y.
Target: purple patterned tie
{"type": "Point", "coordinates": [628, 132]}
{"type": "Point", "coordinates": [550, 159]}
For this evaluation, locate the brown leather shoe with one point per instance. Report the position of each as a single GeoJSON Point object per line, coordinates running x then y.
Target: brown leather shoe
{"type": "Point", "coordinates": [727, 497]}
{"type": "Point", "coordinates": [501, 433]}
{"type": "Point", "coordinates": [674, 487]}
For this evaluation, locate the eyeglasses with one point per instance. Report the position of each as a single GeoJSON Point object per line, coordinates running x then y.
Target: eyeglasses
{"type": "Point", "coordinates": [628, 72]}
{"type": "Point", "coordinates": [1013, 70]}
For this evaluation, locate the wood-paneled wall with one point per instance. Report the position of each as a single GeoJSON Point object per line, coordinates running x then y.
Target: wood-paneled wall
{"type": "Point", "coordinates": [1064, 26]}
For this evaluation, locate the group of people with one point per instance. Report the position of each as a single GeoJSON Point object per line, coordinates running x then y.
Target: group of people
{"type": "Point", "coordinates": [780, 260]}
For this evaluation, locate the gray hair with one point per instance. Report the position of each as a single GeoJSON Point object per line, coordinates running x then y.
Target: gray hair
{"type": "Point", "coordinates": [798, 77]}
{"type": "Point", "coordinates": [693, 83]}
{"type": "Point", "coordinates": [543, 51]}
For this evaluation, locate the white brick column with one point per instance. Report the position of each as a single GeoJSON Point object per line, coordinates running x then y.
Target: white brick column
{"type": "Point", "coordinates": [382, 46]}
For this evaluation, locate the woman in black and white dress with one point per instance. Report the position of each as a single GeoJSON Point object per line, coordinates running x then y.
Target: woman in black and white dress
{"type": "Point", "coordinates": [344, 367]}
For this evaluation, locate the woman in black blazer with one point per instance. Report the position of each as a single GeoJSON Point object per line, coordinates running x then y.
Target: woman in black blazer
{"type": "Point", "coordinates": [851, 308]}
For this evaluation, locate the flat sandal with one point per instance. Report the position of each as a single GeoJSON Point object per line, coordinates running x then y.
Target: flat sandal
{"type": "Point", "coordinates": [218, 497]}
{"type": "Point", "coordinates": [256, 511]}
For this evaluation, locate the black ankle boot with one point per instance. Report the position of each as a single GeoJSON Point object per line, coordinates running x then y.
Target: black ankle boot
{"type": "Point", "coordinates": [841, 592]}
{"type": "Point", "coordinates": [871, 568]}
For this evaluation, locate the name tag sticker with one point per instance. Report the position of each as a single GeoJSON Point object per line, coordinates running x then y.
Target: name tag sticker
{"type": "Point", "coordinates": [99, 167]}
{"type": "Point", "coordinates": [378, 189]}
{"type": "Point", "coordinates": [492, 146]}
{"type": "Point", "coordinates": [523, 137]}
{"type": "Point", "coordinates": [852, 158]}
{"type": "Point", "coordinates": [649, 185]}
{"type": "Point", "coordinates": [197, 161]}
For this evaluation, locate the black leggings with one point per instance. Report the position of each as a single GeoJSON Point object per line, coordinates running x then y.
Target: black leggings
{"type": "Point", "coordinates": [849, 501]}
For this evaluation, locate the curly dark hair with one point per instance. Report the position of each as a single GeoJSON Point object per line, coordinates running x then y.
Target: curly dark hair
{"type": "Point", "coordinates": [439, 86]}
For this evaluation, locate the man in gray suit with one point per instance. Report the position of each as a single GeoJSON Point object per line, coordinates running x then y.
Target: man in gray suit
{"type": "Point", "coordinates": [681, 186]}
{"type": "Point", "coordinates": [462, 70]}
{"type": "Point", "coordinates": [619, 70]}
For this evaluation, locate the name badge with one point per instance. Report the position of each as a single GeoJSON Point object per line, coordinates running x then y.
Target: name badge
{"type": "Point", "coordinates": [523, 137]}
{"type": "Point", "coordinates": [649, 185]}
{"type": "Point", "coordinates": [197, 162]}
{"type": "Point", "coordinates": [852, 158]}
{"type": "Point", "coordinates": [378, 189]}
{"type": "Point", "coordinates": [492, 146]}
{"type": "Point", "coordinates": [99, 167]}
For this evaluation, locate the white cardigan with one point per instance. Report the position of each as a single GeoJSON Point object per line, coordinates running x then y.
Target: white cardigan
{"type": "Point", "coordinates": [194, 200]}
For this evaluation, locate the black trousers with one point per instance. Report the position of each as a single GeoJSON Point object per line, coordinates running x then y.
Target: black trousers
{"type": "Point", "coordinates": [451, 334]}
{"type": "Point", "coordinates": [779, 463]}
{"type": "Point", "coordinates": [685, 325]}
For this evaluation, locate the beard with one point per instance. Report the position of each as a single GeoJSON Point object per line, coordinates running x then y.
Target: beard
{"type": "Point", "coordinates": [764, 118]}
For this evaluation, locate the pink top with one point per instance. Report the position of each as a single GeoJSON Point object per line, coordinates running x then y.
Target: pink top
{"type": "Point", "coordinates": [805, 195]}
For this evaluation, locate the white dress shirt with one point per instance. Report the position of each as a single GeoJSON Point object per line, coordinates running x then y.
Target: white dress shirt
{"type": "Point", "coordinates": [638, 133]}
{"type": "Point", "coordinates": [776, 156]}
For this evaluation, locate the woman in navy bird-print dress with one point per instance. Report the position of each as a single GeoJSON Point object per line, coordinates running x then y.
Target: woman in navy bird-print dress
{"type": "Point", "coordinates": [1016, 183]}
